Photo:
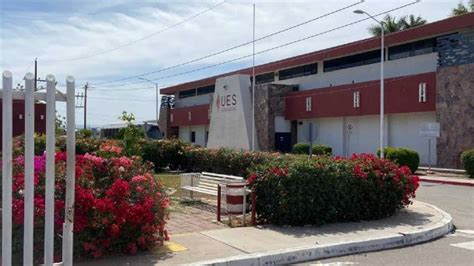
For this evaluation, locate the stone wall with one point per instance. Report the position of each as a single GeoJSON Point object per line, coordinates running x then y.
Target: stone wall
{"type": "Point", "coordinates": [164, 122]}
{"type": "Point", "coordinates": [456, 49]}
{"type": "Point", "coordinates": [269, 102]}
{"type": "Point", "coordinates": [454, 112]}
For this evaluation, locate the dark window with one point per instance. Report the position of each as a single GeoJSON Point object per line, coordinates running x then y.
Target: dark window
{"type": "Point", "coordinates": [193, 136]}
{"type": "Point", "coordinates": [412, 49]}
{"type": "Point", "coordinates": [300, 71]}
{"type": "Point", "coordinates": [352, 61]}
{"type": "Point", "coordinates": [187, 93]}
{"type": "Point", "coordinates": [205, 89]}
{"type": "Point", "coordinates": [264, 78]}
{"type": "Point", "coordinates": [207, 137]}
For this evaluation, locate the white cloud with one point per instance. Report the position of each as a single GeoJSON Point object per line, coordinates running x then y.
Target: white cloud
{"type": "Point", "coordinates": [106, 25]}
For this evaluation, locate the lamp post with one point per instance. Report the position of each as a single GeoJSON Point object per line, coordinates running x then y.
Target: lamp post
{"type": "Point", "coordinates": [157, 97]}
{"type": "Point", "coordinates": [382, 59]}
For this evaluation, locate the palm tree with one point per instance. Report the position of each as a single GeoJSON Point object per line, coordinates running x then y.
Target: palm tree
{"type": "Point", "coordinates": [461, 9]}
{"type": "Point", "coordinates": [390, 24]}
{"type": "Point", "coordinates": [411, 21]}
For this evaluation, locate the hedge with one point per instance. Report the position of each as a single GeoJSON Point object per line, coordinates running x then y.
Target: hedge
{"type": "Point", "coordinates": [119, 206]}
{"type": "Point", "coordinates": [178, 155]}
{"type": "Point", "coordinates": [402, 156]}
{"type": "Point", "coordinates": [318, 149]}
{"type": "Point", "coordinates": [467, 159]}
{"type": "Point", "coordinates": [325, 190]}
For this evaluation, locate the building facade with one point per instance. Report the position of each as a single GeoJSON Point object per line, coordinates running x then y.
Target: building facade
{"type": "Point", "coordinates": [429, 77]}
{"type": "Point", "coordinates": [18, 119]}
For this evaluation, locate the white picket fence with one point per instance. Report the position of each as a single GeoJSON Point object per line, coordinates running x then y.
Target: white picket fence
{"type": "Point", "coordinates": [51, 96]}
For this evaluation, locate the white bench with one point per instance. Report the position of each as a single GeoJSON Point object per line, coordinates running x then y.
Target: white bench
{"type": "Point", "coordinates": [206, 183]}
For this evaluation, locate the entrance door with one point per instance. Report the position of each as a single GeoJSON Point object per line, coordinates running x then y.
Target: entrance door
{"type": "Point", "coordinates": [283, 142]}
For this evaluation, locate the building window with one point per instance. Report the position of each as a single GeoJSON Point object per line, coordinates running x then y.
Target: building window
{"type": "Point", "coordinates": [189, 116]}
{"type": "Point", "coordinates": [187, 93]}
{"type": "Point", "coordinates": [422, 92]}
{"type": "Point", "coordinates": [308, 104]}
{"type": "Point", "coordinates": [356, 99]}
{"type": "Point", "coordinates": [352, 61]}
{"type": "Point", "coordinates": [299, 71]}
{"type": "Point", "coordinates": [193, 136]}
{"type": "Point", "coordinates": [412, 49]}
{"type": "Point", "coordinates": [206, 137]}
{"type": "Point", "coordinates": [171, 118]}
{"type": "Point", "coordinates": [264, 78]}
{"type": "Point", "coordinates": [206, 89]}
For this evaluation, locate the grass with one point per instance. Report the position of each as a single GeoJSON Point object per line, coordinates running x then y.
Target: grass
{"type": "Point", "coordinates": [170, 181]}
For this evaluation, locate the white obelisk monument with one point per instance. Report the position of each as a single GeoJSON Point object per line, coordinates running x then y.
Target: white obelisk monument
{"type": "Point", "coordinates": [231, 114]}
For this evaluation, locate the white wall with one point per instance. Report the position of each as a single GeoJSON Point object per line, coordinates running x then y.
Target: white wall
{"type": "Point", "coordinates": [405, 132]}
{"type": "Point", "coordinates": [392, 68]}
{"type": "Point", "coordinates": [185, 134]}
{"type": "Point", "coordinates": [192, 101]}
{"type": "Point", "coordinates": [401, 130]}
{"type": "Point", "coordinates": [328, 131]}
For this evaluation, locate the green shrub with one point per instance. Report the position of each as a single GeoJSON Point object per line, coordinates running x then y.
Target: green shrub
{"type": "Point", "coordinates": [467, 159]}
{"type": "Point", "coordinates": [325, 189]}
{"type": "Point", "coordinates": [402, 156]}
{"type": "Point", "coordinates": [84, 133]}
{"type": "Point", "coordinates": [321, 149]}
{"type": "Point", "coordinates": [301, 148]}
{"type": "Point", "coordinates": [318, 149]}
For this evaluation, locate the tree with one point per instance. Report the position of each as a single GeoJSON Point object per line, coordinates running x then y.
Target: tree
{"type": "Point", "coordinates": [131, 134]}
{"type": "Point", "coordinates": [461, 9]}
{"type": "Point", "coordinates": [392, 24]}
{"type": "Point", "coordinates": [411, 22]}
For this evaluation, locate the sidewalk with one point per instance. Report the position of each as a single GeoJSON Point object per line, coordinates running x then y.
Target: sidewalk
{"type": "Point", "coordinates": [283, 245]}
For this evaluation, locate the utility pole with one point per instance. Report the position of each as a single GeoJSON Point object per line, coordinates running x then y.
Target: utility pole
{"type": "Point", "coordinates": [85, 104]}
{"type": "Point", "coordinates": [36, 73]}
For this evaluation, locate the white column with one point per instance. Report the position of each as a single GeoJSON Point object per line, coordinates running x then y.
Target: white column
{"type": "Point", "coordinates": [29, 169]}
{"type": "Point", "coordinates": [7, 125]}
{"type": "Point", "coordinates": [50, 175]}
{"type": "Point", "coordinates": [70, 174]}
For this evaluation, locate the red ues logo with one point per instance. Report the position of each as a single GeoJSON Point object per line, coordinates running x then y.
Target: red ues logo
{"type": "Point", "coordinates": [227, 102]}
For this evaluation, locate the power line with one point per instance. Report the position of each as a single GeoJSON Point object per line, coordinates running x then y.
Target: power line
{"type": "Point", "coordinates": [142, 38]}
{"type": "Point", "coordinates": [233, 47]}
{"type": "Point", "coordinates": [271, 49]}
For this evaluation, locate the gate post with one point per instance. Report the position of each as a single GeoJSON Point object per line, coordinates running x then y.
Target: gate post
{"type": "Point", "coordinates": [50, 169]}
{"type": "Point", "coordinates": [29, 169]}
{"type": "Point", "coordinates": [70, 173]}
{"type": "Point", "coordinates": [7, 133]}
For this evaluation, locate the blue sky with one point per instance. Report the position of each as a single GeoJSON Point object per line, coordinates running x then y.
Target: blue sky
{"type": "Point", "coordinates": [57, 31]}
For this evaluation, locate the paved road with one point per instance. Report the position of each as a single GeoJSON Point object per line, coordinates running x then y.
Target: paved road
{"type": "Point", "coordinates": [454, 249]}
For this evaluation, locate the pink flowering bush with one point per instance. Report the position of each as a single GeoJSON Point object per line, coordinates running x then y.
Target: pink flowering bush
{"type": "Point", "coordinates": [325, 190]}
{"type": "Point", "coordinates": [120, 206]}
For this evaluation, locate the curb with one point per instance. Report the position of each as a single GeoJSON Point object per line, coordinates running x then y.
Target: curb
{"type": "Point", "coordinates": [447, 182]}
{"type": "Point", "coordinates": [316, 252]}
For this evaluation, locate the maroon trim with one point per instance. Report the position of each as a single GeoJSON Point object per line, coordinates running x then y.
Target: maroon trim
{"type": "Point", "coordinates": [235, 200]}
{"type": "Point", "coordinates": [199, 116]}
{"type": "Point", "coordinates": [447, 182]}
{"type": "Point", "coordinates": [401, 96]}
{"type": "Point", "coordinates": [445, 26]}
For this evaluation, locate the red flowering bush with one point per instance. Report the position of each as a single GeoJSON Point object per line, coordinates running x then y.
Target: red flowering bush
{"type": "Point", "coordinates": [120, 206]}
{"type": "Point", "coordinates": [325, 190]}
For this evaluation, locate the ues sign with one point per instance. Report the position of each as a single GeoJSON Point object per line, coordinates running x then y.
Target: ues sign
{"type": "Point", "coordinates": [430, 130]}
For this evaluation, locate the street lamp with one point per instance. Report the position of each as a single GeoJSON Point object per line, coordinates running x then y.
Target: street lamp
{"type": "Point", "coordinates": [382, 48]}
{"type": "Point", "coordinates": [157, 97]}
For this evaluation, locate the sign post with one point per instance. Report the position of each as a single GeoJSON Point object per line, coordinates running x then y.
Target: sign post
{"type": "Point", "coordinates": [429, 130]}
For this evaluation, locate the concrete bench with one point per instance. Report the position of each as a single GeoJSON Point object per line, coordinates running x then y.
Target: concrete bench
{"type": "Point", "coordinates": [206, 183]}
